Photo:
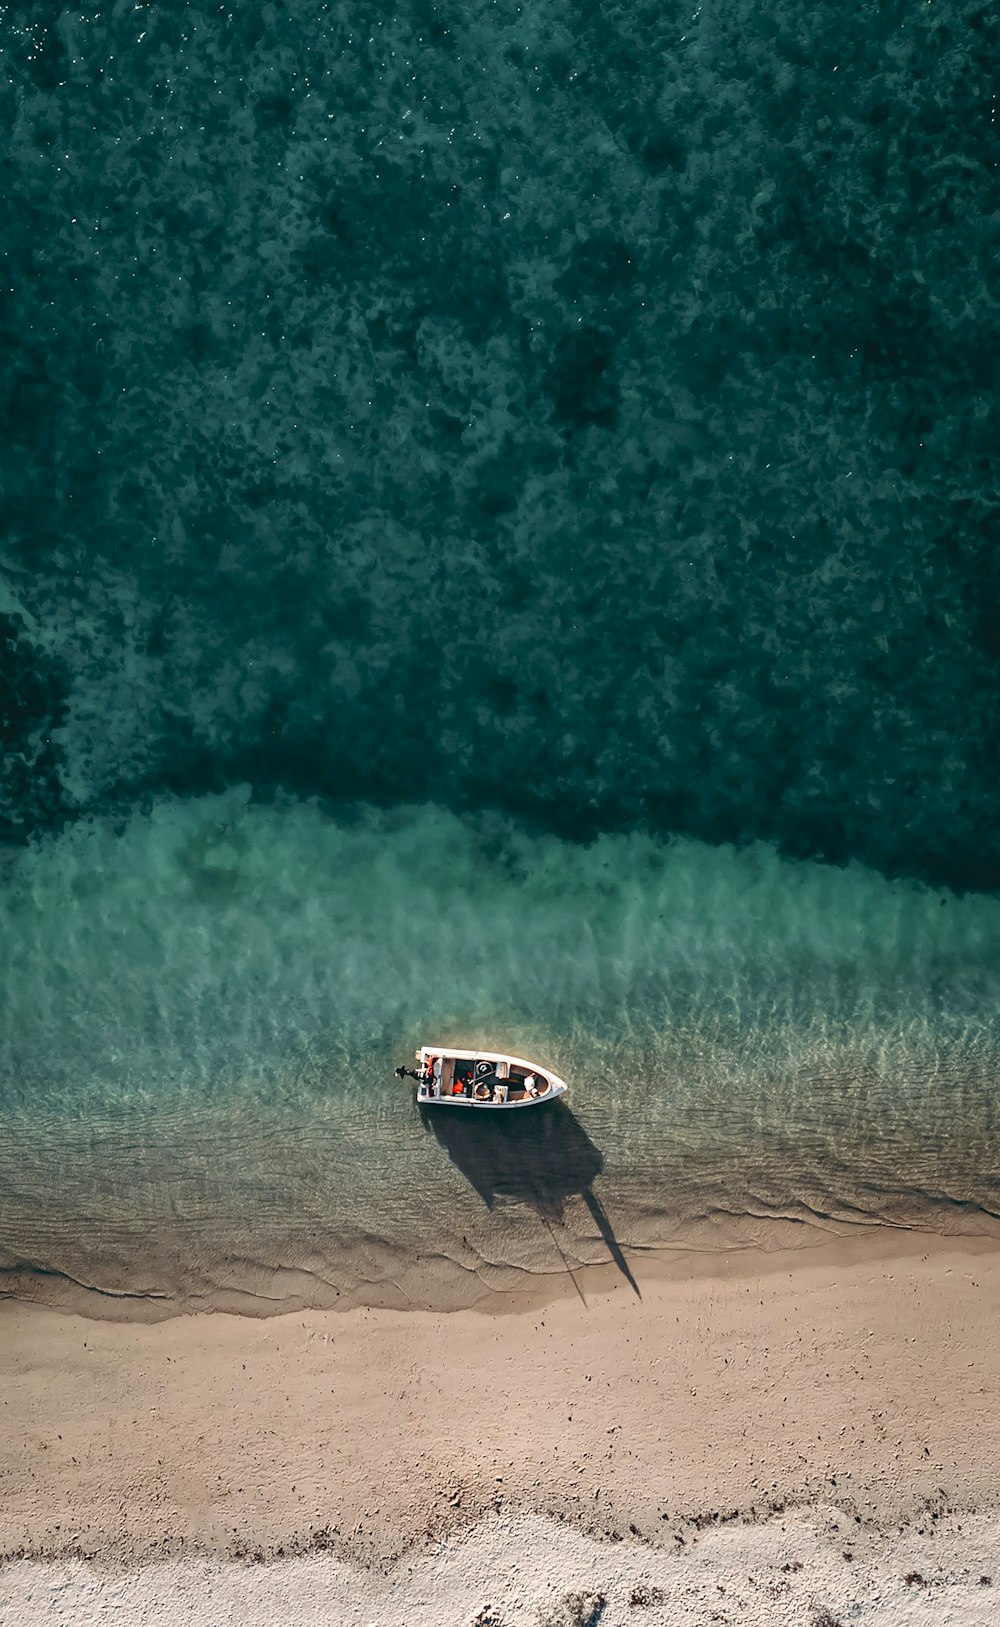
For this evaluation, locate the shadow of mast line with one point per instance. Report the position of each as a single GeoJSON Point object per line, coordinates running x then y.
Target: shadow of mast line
{"type": "Point", "coordinates": [540, 1157]}
{"type": "Point", "coordinates": [604, 1226]}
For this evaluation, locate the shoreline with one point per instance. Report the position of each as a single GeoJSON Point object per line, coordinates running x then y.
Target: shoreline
{"type": "Point", "coordinates": [859, 1373]}
{"type": "Point", "coordinates": [443, 1284]}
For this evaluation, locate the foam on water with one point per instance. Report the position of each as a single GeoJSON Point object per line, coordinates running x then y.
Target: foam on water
{"type": "Point", "coordinates": [207, 1000]}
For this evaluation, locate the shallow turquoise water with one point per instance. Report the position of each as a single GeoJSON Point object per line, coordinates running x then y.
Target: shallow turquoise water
{"type": "Point", "coordinates": [208, 1001]}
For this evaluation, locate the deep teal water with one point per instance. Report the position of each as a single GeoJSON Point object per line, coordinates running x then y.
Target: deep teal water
{"type": "Point", "coordinates": [498, 531]}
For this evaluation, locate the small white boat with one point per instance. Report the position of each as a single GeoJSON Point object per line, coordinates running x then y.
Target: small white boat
{"type": "Point", "coordinates": [480, 1080]}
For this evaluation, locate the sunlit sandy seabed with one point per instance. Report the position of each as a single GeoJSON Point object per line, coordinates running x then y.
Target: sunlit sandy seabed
{"type": "Point", "coordinates": [203, 1005]}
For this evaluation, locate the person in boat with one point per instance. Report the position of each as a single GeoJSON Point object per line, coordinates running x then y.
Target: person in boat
{"type": "Point", "coordinates": [485, 1078]}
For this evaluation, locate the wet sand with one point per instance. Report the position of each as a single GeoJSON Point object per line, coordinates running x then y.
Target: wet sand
{"type": "Point", "coordinates": [860, 1375]}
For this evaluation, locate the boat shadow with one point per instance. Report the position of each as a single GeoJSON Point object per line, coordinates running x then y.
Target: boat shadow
{"type": "Point", "coordinates": [540, 1156]}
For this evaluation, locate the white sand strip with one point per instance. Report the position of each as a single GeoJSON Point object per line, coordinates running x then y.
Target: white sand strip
{"type": "Point", "coordinates": [790, 1572]}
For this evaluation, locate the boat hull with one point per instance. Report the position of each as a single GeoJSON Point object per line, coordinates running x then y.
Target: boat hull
{"type": "Point", "coordinates": [432, 1095]}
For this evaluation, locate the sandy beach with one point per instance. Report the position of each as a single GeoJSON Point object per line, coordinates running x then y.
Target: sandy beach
{"type": "Point", "coordinates": [848, 1388]}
